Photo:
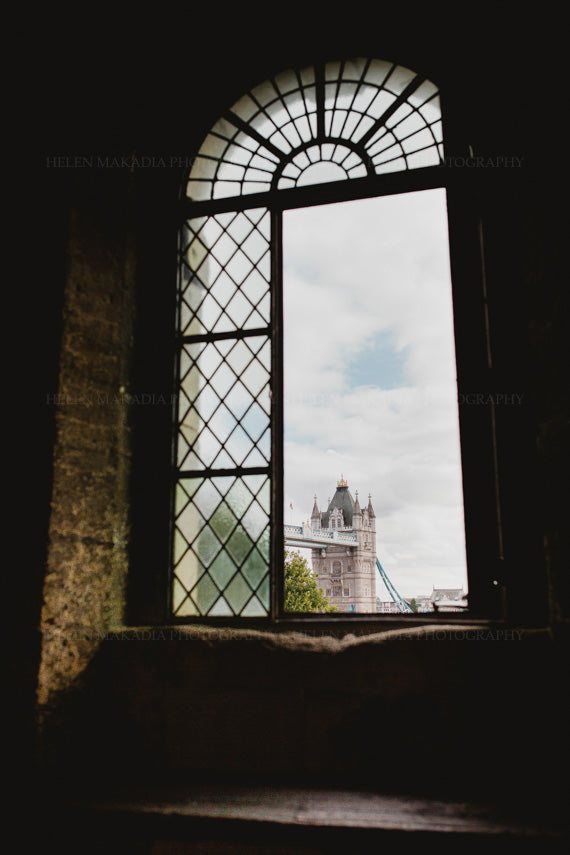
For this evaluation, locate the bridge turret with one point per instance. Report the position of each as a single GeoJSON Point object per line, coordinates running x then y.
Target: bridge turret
{"type": "Point", "coordinates": [371, 514]}
{"type": "Point", "coordinates": [356, 514]}
{"type": "Point", "coordinates": [315, 515]}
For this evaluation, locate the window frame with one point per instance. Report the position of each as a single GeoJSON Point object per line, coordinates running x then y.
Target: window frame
{"type": "Point", "coordinates": [477, 436]}
{"type": "Point", "coordinates": [464, 302]}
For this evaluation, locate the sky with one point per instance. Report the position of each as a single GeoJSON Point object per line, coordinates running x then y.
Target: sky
{"type": "Point", "coordinates": [370, 380]}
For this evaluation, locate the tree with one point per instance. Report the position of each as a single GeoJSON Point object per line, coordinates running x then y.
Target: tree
{"type": "Point", "coordinates": [413, 604]}
{"type": "Point", "coordinates": [302, 594]}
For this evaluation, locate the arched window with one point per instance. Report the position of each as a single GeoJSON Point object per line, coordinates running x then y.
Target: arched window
{"type": "Point", "coordinates": [333, 132]}
{"type": "Point", "coordinates": [344, 120]}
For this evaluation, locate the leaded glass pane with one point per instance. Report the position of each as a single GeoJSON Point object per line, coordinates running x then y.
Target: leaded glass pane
{"type": "Point", "coordinates": [222, 562]}
{"type": "Point", "coordinates": [221, 527]}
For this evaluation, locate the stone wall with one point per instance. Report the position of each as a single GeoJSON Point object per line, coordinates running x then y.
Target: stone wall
{"type": "Point", "coordinates": [87, 551]}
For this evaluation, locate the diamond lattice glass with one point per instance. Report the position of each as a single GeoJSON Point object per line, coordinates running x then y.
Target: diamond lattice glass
{"type": "Point", "coordinates": [221, 535]}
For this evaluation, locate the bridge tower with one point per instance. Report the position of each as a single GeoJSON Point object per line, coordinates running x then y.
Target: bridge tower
{"type": "Point", "coordinates": [347, 574]}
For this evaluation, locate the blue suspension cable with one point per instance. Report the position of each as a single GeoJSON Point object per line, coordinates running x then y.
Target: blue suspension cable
{"type": "Point", "coordinates": [403, 606]}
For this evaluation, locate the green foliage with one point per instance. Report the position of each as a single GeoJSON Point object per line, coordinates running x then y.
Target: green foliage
{"type": "Point", "coordinates": [302, 594]}
{"type": "Point", "coordinates": [413, 605]}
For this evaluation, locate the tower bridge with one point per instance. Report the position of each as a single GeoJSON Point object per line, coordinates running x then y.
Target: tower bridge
{"type": "Point", "coordinates": [342, 540]}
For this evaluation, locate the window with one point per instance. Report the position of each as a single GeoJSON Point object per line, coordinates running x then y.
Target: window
{"type": "Point", "coordinates": [310, 136]}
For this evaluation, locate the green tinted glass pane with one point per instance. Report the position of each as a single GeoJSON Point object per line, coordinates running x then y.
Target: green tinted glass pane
{"type": "Point", "coordinates": [222, 552]}
{"type": "Point", "coordinates": [238, 593]}
{"type": "Point", "coordinates": [207, 546]}
{"type": "Point", "coordinates": [239, 544]}
{"type": "Point", "coordinates": [180, 546]}
{"type": "Point", "coordinates": [254, 568]}
{"type": "Point", "coordinates": [254, 609]}
{"type": "Point", "coordinates": [220, 609]}
{"type": "Point", "coordinates": [222, 569]}
{"type": "Point", "coordinates": [187, 609]}
{"type": "Point", "coordinates": [254, 521]}
{"type": "Point", "coordinates": [178, 595]}
{"type": "Point", "coordinates": [207, 499]}
{"type": "Point", "coordinates": [263, 593]}
{"type": "Point", "coordinates": [263, 543]}
{"type": "Point", "coordinates": [181, 500]}
{"type": "Point", "coordinates": [188, 570]}
{"type": "Point", "coordinates": [223, 522]}
{"type": "Point", "coordinates": [204, 594]}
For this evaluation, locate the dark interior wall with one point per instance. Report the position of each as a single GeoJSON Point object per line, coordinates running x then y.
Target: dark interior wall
{"type": "Point", "coordinates": [253, 706]}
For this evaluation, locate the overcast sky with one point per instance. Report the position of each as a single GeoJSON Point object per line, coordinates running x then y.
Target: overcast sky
{"type": "Point", "coordinates": [370, 378]}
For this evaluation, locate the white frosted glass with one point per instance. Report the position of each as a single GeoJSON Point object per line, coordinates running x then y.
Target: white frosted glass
{"type": "Point", "coordinates": [198, 190]}
{"type": "Point", "coordinates": [278, 114]}
{"type": "Point", "coordinates": [307, 75]}
{"type": "Point", "coordinates": [237, 154]}
{"type": "Point", "coordinates": [245, 108]}
{"type": "Point", "coordinates": [428, 157]}
{"type": "Point", "coordinates": [399, 79]}
{"type": "Point", "coordinates": [361, 128]}
{"type": "Point", "coordinates": [203, 167]}
{"type": "Point", "coordinates": [286, 81]}
{"type": "Point", "coordinates": [226, 189]}
{"type": "Point", "coordinates": [295, 104]}
{"type": "Point", "coordinates": [401, 113]}
{"type": "Point", "coordinates": [354, 68]}
{"type": "Point", "coordinates": [332, 70]}
{"type": "Point", "coordinates": [290, 132]}
{"type": "Point", "coordinates": [346, 94]}
{"type": "Point", "coordinates": [301, 160]}
{"type": "Point", "coordinates": [431, 110]}
{"type": "Point", "coordinates": [255, 187]}
{"type": "Point", "coordinates": [411, 125]}
{"type": "Point", "coordinates": [423, 93]}
{"type": "Point", "coordinates": [397, 165]}
{"type": "Point", "coordinates": [224, 129]}
{"type": "Point", "coordinates": [364, 98]}
{"type": "Point", "coordinates": [230, 172]}
{"type": "Point", "coordinates": [338, 122]}
{"type": "Point", "coordinates": [264, 93]}
{"type": "Point", "coordinates": [377, 72]}
{"type": "Point", "coordinates": [304, 128]}
{"type": "Point", "coordinates": [422, 139]}
{"type": "Point", "coordinates": [380, 104]}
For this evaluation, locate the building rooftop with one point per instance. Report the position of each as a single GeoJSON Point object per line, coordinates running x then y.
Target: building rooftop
{"type": "Point", "coordinates": [342, 499]}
